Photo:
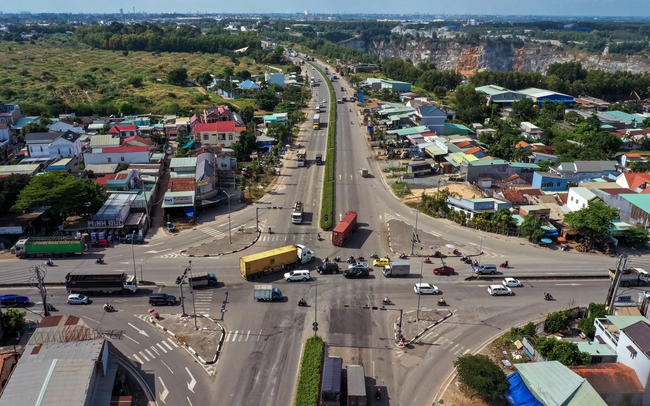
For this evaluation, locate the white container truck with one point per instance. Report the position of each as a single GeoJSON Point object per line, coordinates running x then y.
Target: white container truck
{"type": "Point", "coordinates": [266, 293]}
{"type": "Point", "coordinates": [397, 269]}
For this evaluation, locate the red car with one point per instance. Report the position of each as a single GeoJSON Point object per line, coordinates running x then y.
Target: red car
{"type": "Point", "coordinates": [102, 243]}
{"type": "Point", "coordinates": [444, 270]}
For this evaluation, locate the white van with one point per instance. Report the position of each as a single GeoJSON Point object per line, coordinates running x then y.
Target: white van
{"type": "Point", "coordinates": [498, 290]}
{"type": "Point", "coordinates": [301, 275]}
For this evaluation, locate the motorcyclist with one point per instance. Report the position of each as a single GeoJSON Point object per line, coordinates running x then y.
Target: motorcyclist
{"type": "Point", "coordinates": [50, 262]}
{"type": "Point", "coordinates": [302, 302]}
{"type": "Point", "coordinates": [318, 236]}
{"type": "Point", "coordinates": [386, 299]}
{"type": "Point", "coordinates": [327, 260]}
{"type": "Point", "coordinates": [337, 258]}
{"type": "Point", "coordinates": [442, 301]}
{"type": "Point", "coordinates": [269, 230]}
{"type": "Point", "coordinates": [427, 260]}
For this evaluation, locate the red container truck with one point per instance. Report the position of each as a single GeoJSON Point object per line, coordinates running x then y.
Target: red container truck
{"type": "Point", "coordinates": [343, 229]}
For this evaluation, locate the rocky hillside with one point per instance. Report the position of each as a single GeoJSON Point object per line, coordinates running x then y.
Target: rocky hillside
{"type": "Point", "coordinates": [532, 57]}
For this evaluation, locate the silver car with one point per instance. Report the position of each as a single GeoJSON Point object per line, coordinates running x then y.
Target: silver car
{"type": "Point", "coordinates": [77, 298]}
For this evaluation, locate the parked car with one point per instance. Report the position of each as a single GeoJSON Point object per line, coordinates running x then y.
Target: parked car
{"type": "Point", "coordinates": [78, 298]}
{"type": "Point", "coordinates": [132, 239]}
{"type": "Point", "coordinates": [13, 300]}
{"type": "Point", "coordinates": [512, 282]}
{"type": "Point", "coordinates": [444, 270]}
{"type": "Point", "coordinates": [381, 262]}
{"type": "Point", "coordinates": [331, 267]}
{"type": "Point", "coordinates": [103, 243]}
{"type": "Point", "coordinates": [358, 270]}
{"type": "Point", "coordinates": [425, 289]}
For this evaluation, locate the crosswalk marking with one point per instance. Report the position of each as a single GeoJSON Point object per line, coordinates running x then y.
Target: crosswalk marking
{"type": "Point", "coordinates": [149, 352]}
{"type": "Point", "coordinates": [155, 350]}
{"type": "Point", "coordinates": [137, 358]}
{"type": "Point", "coordinates": [162, 348]}
{"type": "Point", "coordinates": [144, 356]}
{"type": "Point", "coordinates": [167, 345]}
{"type": "Point", "coordinates": [173, 342]}
{"type": "Point", "coordinates": [171, 255]}
{"type": "Point", "coordinates": [213, 232]}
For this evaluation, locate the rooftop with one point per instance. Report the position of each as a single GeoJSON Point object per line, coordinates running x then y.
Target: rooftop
{"type": "Point", "coordinates": [610, 377]}
{"type": "Point", "coordinates": [639, 333]}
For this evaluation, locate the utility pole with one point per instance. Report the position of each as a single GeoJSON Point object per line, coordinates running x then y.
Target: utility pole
{"type": "Point", "coordinates": [39, 274]}
{"type": "Point", "coordinates": [621, 264]}
{"type": "Point", "coordinates": [415, 237]}
{"type": "Point", "coordinates": [179, 282]}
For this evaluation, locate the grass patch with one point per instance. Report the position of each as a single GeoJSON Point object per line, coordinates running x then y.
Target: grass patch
{"type": "Point", "coordinates": [327, 204]}
{"type": "Point", "coordinates": [310, 372]}
{"type": "Point", "coordinates": [401, 189]}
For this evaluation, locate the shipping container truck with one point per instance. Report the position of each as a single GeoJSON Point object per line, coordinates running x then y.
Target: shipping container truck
{"type": "Point", "coordinates": [316, 125]}
{"type": "Point", "coordinates": [52, 246]}
{"type": "Point", "coordinates": [356, 386]}
{"type": "Point", "coordinates": [301, 155]}
{"type": "Point", "coordinates": [330, 390]}
{"type": "Point", "coordinates": [296, 216]}
{"type": "Point", "coordinates": [266, 293]}
{"type": "Point", "coordinates": [263, 263]}
{"type": "Point", "coordinates": [397, 269]}
{"type": "Point", "coordinates": [343, 229]}
{"type": "Point", "coordinates": [101, 284]}
{"type": "Point", "coordinates": [319, 159]}
{"type": "Point", "coordinates": [631, 277]}
{"type": "Point", "coordinates": [363, 172]}
{"type": "Point", "coordinates": [202, 279]}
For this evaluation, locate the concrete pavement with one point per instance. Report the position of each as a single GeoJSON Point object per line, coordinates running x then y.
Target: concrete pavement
{"type": "Point", "coordinates": [200, 335]}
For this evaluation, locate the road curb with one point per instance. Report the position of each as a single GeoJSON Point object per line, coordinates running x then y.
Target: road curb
{"type": "Point", "coordinates": [390, 245]}
{"type": "Point", "coordinates": [429, 327]}
{"type": "Point", "coordinates": [534, 278]}
{"type": "Point", "coordinates": [185, 254]}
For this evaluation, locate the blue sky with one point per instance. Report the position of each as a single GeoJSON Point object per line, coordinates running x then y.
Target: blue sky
{"type": "Point", "coordinates": [594, 8]}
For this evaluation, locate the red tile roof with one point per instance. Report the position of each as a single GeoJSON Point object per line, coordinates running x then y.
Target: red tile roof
{"type": "Point", "coordinates": [633, 155]}
{"type": "Point", "coordinates": [218, 126]}
{"type": "Point", "coordinates": [464, 144]}
{"type": "Point", "coordinates": [180, 185]}
{"type": "Point", "coordinates": [513, 196]}
{"type": "Point", "coordinates": [118, 128]}
{"type": "Point", "coordinates": [511, 178]}
{"type": "Point", "coordinates": [522, 145]}
{"type": "Point", "coordinates": [138, 139]}
{"type": "Point", "coordinates": [103, 180]}
{"type": "Point", "coordinates": [634, 180]}
{"type": "Point", "coordinates": [610, 377]}
{"type": "Point", "coordinates": [473, 151]}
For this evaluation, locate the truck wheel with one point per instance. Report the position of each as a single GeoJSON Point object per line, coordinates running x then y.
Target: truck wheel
{"type": "Point", "coordinates": [626, 283]}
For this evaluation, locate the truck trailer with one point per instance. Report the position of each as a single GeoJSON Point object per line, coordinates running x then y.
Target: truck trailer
{"type": "Point", "coordinates": [632, 277]}
{"type": "Point", "coordinates": [356, 386]}
{"type": "Point", "coordinates": [263, 263]}
{"type": "Point", "coordinates": [316, 125]}
{"type": "Point", "coordinates": [330, 390]}
{"type": "Point", "coordinates": [301, 155]}
{"type": "Point", "coordinates": [202, 279]}
{"type": "Point", "coordinates": [343, 229]}
{"type": "Point", "coordinates": [52, 246]}
{"type": "Point", "coordinates": [397, 269]}
{"type": "Point", "coordinates": [101, 284]}
{"type": "Point", "coordinates": [296, 216]}
{"type": "Point", "coordinates": [266, 293]}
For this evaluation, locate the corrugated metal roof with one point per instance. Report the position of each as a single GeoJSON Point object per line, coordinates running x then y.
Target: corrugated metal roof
{"type": "Point", "coordinates": [183, 162]}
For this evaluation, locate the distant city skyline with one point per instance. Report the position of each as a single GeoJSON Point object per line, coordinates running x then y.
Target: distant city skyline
{"type": "Point", "coordinates": [557, 8]}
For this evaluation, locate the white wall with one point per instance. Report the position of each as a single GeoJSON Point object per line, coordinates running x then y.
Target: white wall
{"type": "Point", "coordinates": [39, 150]}
{"type": "Point", "coordinates": [575, 201]}
{"type": "Point", "coordinates": [117, 158]}
{"type": "Point", "coordinates": [64, 148]}
{"type": "Point", "coordinates": [640, 363]}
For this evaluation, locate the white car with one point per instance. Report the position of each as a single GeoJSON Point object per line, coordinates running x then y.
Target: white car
{"type": "Point", "coordinates": [498, 290]}
{"type": "Point", "coordinates": [77, 298]}
{"type": "Point", "coordinates": [425, 289]}
{"type": "Point", "coordinates": [512, 282]}
{"type": "Point", "coordinates": [302, 275]}
{"type": "Point", "coordinates": [324, 101]}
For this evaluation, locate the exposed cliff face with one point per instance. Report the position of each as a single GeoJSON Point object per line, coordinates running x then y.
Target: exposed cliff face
{"type": "Point", "coordinates": [533, 57]}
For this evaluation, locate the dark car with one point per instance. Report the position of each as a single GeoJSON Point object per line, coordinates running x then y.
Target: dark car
{"type": "Point", "coordinates": [13, 300]}
{"type": "Point", "coordinates": [162, 299]}
{"type": "Point", "coordinates": [331, 267]}
{"type": "Point", "coordinates": [132, 239]}
{"type": "Point", "coordinates": [444, 270]}
{"type": "Point", "coordinates": [356, 271]}
{"type": "Point", "coordinates": [103, 243]}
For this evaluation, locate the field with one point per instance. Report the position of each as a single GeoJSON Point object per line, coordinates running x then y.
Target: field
{"type": "Point", "coordinates": [60, 68]}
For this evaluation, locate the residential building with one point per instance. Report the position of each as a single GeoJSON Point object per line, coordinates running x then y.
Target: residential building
{"type": "Point", "coordinates": [513, 196]}
{"type": "Point", "coordinates": [637, 182]}
{"type": "Point", "coordinates": [205, 180]}
{"type": "Point", "coordinates": [68, 145]}
{"type": "Point", "coordinates": [579, 171]}
{"type": "Point", "coordinates": [101, 141]}
{"type": "Point", "coordinates": [496, 169]}
{"type": "Point", "coordinates": [282, 118]}
{"type": "Point", "coordinates": [475, 207]}
{"type": "Point", "coordinates": [432, 117]}
{"type": "Point", "coordinates": [626, 159]}
{"type": "Point", "coordinates": [536, 157]}
{"type": "Point", "coordinates": [530, 130]}
{"type": "Point", "coordinates": [249, 86]}
{"type": "Point", "coordinates": [213, 114]}
{"type": "Point", "coordinates": [615, 383]}
{"type": "Point", "coordinates": [373, 84]}
{"type": "Point", "coordinates": [274, 78]}
{"type": "Point", "coordinates": [549, 182]}
{"type": "Point", "coordinates": [500, 95]}
{"type": "Point", "coordinates": [137, 141]}
{"type": "Point", "coordinates": [633, 208]}
{"type": "Point", "coordinates": [119, 155]}
{"type": "Point", "coordinates": [64, 125]}
{"type": "Point", "coordinates": [220, 133]}
{"type": "Point", "coordinates": [7, 363]}
{"type": "Point", "coordinates": [53, 145]}
{"type": "Point", "coordinates": [124, 131]}
{"type": "Point", "coordinates": [9, 113]}
{"type": "Point", "coordinates": [579, 198]}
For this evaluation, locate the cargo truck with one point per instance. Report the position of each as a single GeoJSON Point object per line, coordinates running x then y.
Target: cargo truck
{"type": "Point", "coordinates": [343, 229]}
{"type": "Point", "coordinates": [52, 246]}
{"type": "Point", "coordinates": [98, 284]}
{"type": "Point", "coordinates": [296, 216]}
{"type": "Point", "coordinates": [202, 279]}
{"type": "Point", "coordinates": [301, 155]}
{"type": "Point", "coordinates": [356, 386]}
{"type": "Point", "coordinates": [316, 125]}
{"type": "Point", "coordinates": [397, 269]}
{"type": "Point", "coordinates": [330, 390]}
{"type": "Point", "coordinates": [632, 277]}
{"type": "Point", "coordinates": [263, 263]}
{"type": "Point", "coordinates": [266, 293]}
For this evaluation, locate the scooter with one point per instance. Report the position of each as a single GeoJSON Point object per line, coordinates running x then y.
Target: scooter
{"type": "Point", "coordinates": [386, 302]}
{"type": "Point", "coordinates": [337, 258]}
{"type": "Point", "coordinates": [548, 296]}
{"type": "Point", "coordinates": [51, 308]}
{"type": "Point", "coordinates": [378, 394]}
{"type": "Point", "coordinates": [442, 303]}
{"type": "Point", "coordinates": [49, 262]}
{"type": "Point", "coordinates": [456, 252]}
{"type": "Point", "coordinates": [360, 258]}
{"type": "Point", "coordinates": [427, 260]}
{"type": "Point", "coordinates": [403, 255]}
{"type": "Point", "coordinates": [318, 237]}
{"type": "Point", "coordinates": [504, 265]}
{"type": "Point", "coordinates": [109, 308]}
{"type": "Point", "coordinates": [351, 260]}
{"type": "Point", "coordinates": [99, 261]}
{"type": "Point", "coordinates": [302, 303]}
{"type": "Point", "coordinates": [374, 256]}
{"type": "Point", "coordinates": [270, 232]}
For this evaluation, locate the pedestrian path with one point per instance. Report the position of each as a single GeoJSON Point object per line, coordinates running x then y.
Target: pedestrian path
{"type": "Point", "coordinates": [238, 336]}
{"type": "Point", "coordinates": [202, 301]}
{"type": "Point", "coordinates": [288, 237]}
{"type": "Point", "coordinates": [152, 352]}
{"type": "Point", "coordinates": [213, 232]}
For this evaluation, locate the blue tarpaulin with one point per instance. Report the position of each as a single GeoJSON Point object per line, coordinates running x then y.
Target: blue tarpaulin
{"type": "Point", "coordinates": [189, 145]}
{"type": "Point", "coordinates": [518, 394]}
{"type": "Point", "coordinates": [189, 211]}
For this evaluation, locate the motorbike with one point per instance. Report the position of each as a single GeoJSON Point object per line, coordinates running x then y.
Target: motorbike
{"type": "Point", "coordinates": [456, 252]}
{"type": "Point", "coordinates": [504, 265]}
{"type": "Point", "coordinates": [378, 394]}
{"type": "Point", "coordinates": [350, 110]}
{"type": "Point", "coordinates": [109, 308]}
{"type": "Point", "coordinates": [437, 254]}
{"type": "Point", "coordinates": [351, 260]}
{"type": "Point", "coordinates": [403, 255]}
{"type": "Point", "coordinates": [442, 302]}
{"type": "Point", "coordinates": [337, 258]}
{"type": "Point", "coordinates": [302, 303]}
{"type": "Point", "coordinates": [386, 302]}
{"type": "Point", "coordinates": [427, 260]}
{"type": "Point", "coordinates": [360, 258]}
{"type": "Point", "coordinates": [318, 237]}
{"type": "Point", "coordinates": [270, 232]}
{"type": "Point", "coordinates": [99, 261]}
{"type": "Point", "coordinates": [468, 260]}
{"type": "Point", "coordinates": [51, 308]}
{"type": "Point", "coordinates": [374, 256]}
{"type": "Point", "coordinates": [547, 296]}
{"type": "Point", "coordinates": [49, 262]}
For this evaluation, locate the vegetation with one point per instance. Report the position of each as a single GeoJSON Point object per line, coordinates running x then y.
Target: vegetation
{"type": "Point", "coordinates": [594, 221]}
{"type": "Point", "coordinates": [481, 376]}
{"type": "Point", "coordinates": [636, 237]}
{"type": "Point", "coordinates": [531, 228]}
{"type": "Point", "coordinates": [310, 372]}
{"type": "Point", "coordinates": [329, 178]}
{"type": "Point", "coordinates": [566, 352]}
{"type": "Point", "coordinates": [556, 321]}
{"type": "Point", "coordinates": [13, 320]}
{"type": "Point", "coordinates": [10, 187]}
{"type": "Point", "coordinates": [66, 194]}
{"type": "Point", "coordinates": [596, 310]}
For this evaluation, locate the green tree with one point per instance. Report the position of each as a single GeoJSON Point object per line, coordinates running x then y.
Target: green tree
{"type": "Point", "coordinates": [266, 99]}
{"type": "Point", "coordinates": [531, 228]}
{"type": "Point", "coordinates": [242, 185]}
{"type": "Point", "coordinates": [66, 194]}
{"type": "Point", "coordinates": [646, 122]}
{"type": "Point", "coordinates": [481, 376]}
{"type": "Point", "coordinates": [564, 351]}
{"type": "Point", "coordinates": [10, 187]}
{"type": "Point", "coordinates": [636, 237]}
{"type": "Point", "coordinates": [596, 310]}
{"type": "Point", "coordinates": [556, 321]}
{"type": "Point", "coordinates": [594, 221]}
{"type": "Point", "coordinates": [135, 81]}
{"type": "Point", "coordinates": [181, 153]}
{"type": "Point", "coordinates": [177, 76]}
{"type": "Point", "coordinates": [126, 109]}
{"type": "Point", "coordinates": [33, 128]}
{"type": "Point", "coordinates": [525, 109]}
{"type": "Point", "coordinates": [278, 131]}
{"type": "Point", "coordinates": [247, 113]}
{"type": "Point", "coordinates": [204, 79]}
{"type": "Point", "coordinates": [13, 320]}
{"type": "Point", "coordinates": [544, 165]}
{"type": "Point", "coordinates": [470, 105]}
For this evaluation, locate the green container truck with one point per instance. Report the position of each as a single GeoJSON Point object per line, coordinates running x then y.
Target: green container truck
{"type": "Point", "coordinates": [52, 246]}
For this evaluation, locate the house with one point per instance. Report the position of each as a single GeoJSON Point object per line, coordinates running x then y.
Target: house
{"type": "Point", "coordinates": [536, 157]}
{"type": "Point", "coordinates": [249, 86]}
{"type": "Point", "coordinates": [137, 141]}
{"type": "Point", "coordinates": [282, 118]}
{"type": "Point", "coordinates": [432, 117]}
{"type": "Point", "coordinates": [274, 78]}
{"type": "Point", "coordinates": [500, 95]}
{"type": "Point", "coordinates": [7, 363]}
{"type": "Point", "coordinates": [579, 198]}
{"type": "Point", "coordinates": [373, 84]}
{"type": "Point", "coordinates": [497, 169]}
{"type": "Point", "coordinates": [637, 182]}
{"type": "Point", "coordinates": [475, 207]}
{"type": "Point", "coordinates": [579, 171]}
{"type": "Point", "coordinates": [38, 144]}
{"type": "Point", "coordinates": [213, 114]}
{"type": "Point", "coordinates": [550, 383]}
{"type": "Point", "coordinates": [615, 383]}
{"type": "Point", "coordinates": [118, 155]}
{"type": "Point", "coordinates": [395, 86]}
{"type": "Point", "coordinates": [53, 145]}
{"type": "Point", "coordinates": [205, 180]}
{"type": "Point", "coordinates": [101, 141]}
{"type": "Point", "coordinates": [536, 210]}
{"type": "Point", "coordinates": [64, 125]}
{"type": "Point", "coordinates": [530, 130]}
{"type": "Point", "coordinates": [549, 182]}
{"type": "Point", "coordinates": [124, 130]}
{"type": "Point", "coordinates": [626, 159]}
{"type": "Point", "coordinates": [513, 196]}
{"type": "Point", "coordinates": [419, 168]}
{"type": "Point", "coordinates": [9, 113]}
{"type": "Point", "coordinates": [221, 133]}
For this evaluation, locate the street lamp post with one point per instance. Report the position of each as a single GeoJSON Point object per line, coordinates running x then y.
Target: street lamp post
{"type": "Point", "coordinates": [196, 327]}
{"type": "Point", "coordinates": [417, 315]}
{"type": "Point", "coordinates": [229, 232]}
{"type": "Point", "coordinates": [133, 251]}
{"type": "Point", "coordinates": [480, 251]}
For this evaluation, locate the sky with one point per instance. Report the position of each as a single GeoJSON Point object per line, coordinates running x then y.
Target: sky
{"type": "Point", "coordinates": [595, 8]}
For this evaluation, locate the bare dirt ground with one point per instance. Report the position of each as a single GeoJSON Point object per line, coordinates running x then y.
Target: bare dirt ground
{"type": "Point", "coordinates": [460, 188]}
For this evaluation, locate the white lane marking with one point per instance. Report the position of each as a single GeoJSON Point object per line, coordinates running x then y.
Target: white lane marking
{"type": "Point", "coordinates": [131, 339]}
{"type": "Point", "coordinates": [192, 383]}
{"type": "Point", "coordinates": [153, 348]}
{"type": "Point", "coordinates": [144, 356]}
{"type": "Point", "coordinates": [149, 352]}
{"type": "Point", "coordinates": [164, 393]}
{"type": "Point", "coordinates": [162, 348]}
{"type": "Point", "coordinates": [167, 345]}
{"type": "Point", "coordinates": [137, 358]}
{"type": "Point", "coordinates": [248, 334]}
{"type": "Point", "coordinates": [170, 370]}
{"type": "Point", "coordinates": [144, 333]}
{"type": "Point", "coordinates": [173, 343]}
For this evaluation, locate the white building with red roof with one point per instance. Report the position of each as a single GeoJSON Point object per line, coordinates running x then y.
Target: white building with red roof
{"type": "Point", "coordinates": [117, 155]}
{"type": "Point", "coordinates": [219, 133]}
{"type": "Point", "coordinates": [124, 130]}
